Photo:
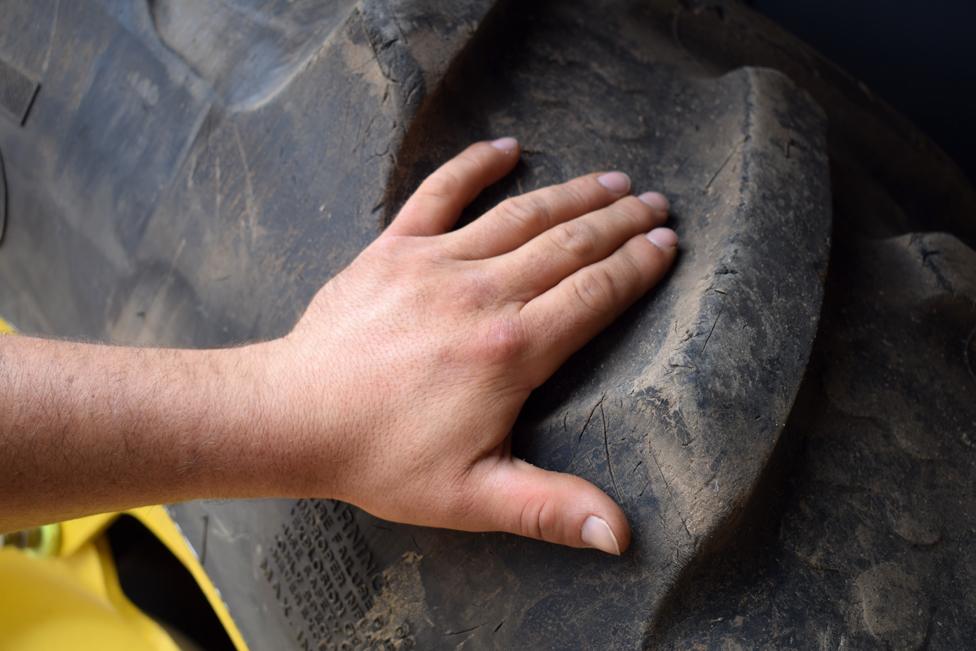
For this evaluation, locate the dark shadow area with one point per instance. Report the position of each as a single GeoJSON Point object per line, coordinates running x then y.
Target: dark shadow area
{"type": "Point", "coordinates": [160, 586]}
{"type": "Point", "coordinates": [918, 56]}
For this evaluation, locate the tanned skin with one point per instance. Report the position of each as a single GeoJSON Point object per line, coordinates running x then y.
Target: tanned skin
{"type": "Point", "coordinates": [396, 391]}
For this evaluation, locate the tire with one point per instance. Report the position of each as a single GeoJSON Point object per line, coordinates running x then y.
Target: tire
{"type": "Point", "coordinates": [792, 445]}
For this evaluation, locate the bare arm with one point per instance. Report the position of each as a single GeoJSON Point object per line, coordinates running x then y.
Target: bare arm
{"type": "Point", "coordinates": [396, 391]}
{"type": "Point", "coordinates": [88, 428]}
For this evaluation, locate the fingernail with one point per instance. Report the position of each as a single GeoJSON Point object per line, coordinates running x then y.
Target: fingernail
{"type": "Point", "coordinates": [596, 533]}
{"type": "Point", "coordinates": [663, 238]}
{"type": "Point", "coordinates": [655, 200]}
{"type": "Point", "coordinates": [506, 144]}
{"type": "Point", "coordinates": [616, 182]}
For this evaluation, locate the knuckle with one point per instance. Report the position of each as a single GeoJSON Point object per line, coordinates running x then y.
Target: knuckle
{"type": "Point", "coordinates": [503, 340]}
{"type": "Point", "coordinates": [576, 238]}
{"type": "Point", "coordinates": [525, 212]}
{"type": "Point", "coordinates": [442, 184]}
{"type": "Point", "coordinates": [596, 289]}
{"type": "Point", "coordinates": [574, 194]}
{"type": "Point", "coordinates": [473, 163]}
{"type": "Point", "coordinates": [538, 519]}
{"type": "Point", "coordinates": [632, 209]}
{"type": "Point", "coordinates": [637, 266]}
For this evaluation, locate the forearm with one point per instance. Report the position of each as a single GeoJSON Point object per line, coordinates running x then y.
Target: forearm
{"type": "Point", "coordinates": [87, 428]}
{"type": "Point", "coordinates": [396, 391]}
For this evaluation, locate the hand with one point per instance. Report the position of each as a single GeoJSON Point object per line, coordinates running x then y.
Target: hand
{"type": "Point", "coordinates": [409, 368]}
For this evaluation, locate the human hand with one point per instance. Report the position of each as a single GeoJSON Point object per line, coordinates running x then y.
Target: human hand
{"type": "Point", "coordinates": [406, 373]}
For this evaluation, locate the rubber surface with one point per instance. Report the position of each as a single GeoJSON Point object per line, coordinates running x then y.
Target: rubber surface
{"type": "Point", "coordinates": [209, 165]}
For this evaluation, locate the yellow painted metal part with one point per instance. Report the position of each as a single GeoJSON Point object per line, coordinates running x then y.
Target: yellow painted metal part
{"type": "Point", "coordinates": [157, 520]}
{"type": "Point", "coordinates": [65, 593]}
{"type": "Point", "coordinates": [71, 602]}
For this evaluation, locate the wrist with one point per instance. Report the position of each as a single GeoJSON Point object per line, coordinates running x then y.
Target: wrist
{"type": "Point", "coordinates": [233, 446]}
{"type": "Point", "coordinates": [278, 442]}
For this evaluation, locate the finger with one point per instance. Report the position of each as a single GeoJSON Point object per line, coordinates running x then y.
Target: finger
{"type": "Point", "coordinates": [437, 203]}
{"type": "Point", "coordinates": [517, 220]}
{"type": "Point", "coordinates": [563, 319]}
{"type": "Point", "coordinates": [565, 248]}
{"type": "Point", "coordinates": [519, 498]}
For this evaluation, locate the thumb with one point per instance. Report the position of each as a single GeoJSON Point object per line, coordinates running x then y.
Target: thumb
{"type": "Point", "coordinates": [519, 498]}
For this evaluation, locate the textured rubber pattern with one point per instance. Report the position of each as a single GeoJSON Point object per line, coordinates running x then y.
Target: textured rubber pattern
{"type": "Point", "coordinates": [184, 188]}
